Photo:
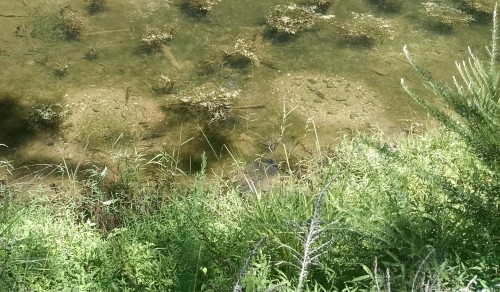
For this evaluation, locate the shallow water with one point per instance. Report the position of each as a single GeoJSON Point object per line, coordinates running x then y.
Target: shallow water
{"type": "Point", "coordinates": [307, 63]}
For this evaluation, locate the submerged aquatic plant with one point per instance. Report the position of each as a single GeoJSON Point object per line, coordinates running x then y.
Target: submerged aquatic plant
{"type": "Point", "coordinates": [242, 53]}
{"type": "Point", "coordinates": [446, 16]}
{"type": "Point", "coordinates": [292, 19]}
{"type": "Point", "coordinates": [389, 5]}
{"type": "Point", "coordinates": [96, 5]}
{"type": "Point", "coordinates": [201, 6]}
{"type": "Point", "coordinates": [93, 52]}
{"type": "Point", "coordinates": [366, 28]}
{"type": "Point", "coordinates": [73, 23]}
{"type": "Point", "coordinates": [480, 8]}
{"type": "Point", "coordinates": [60, 70]}
{"type": "Point", "coordinates": [323, 2]}
{"type": "Point", "coordinates": [156, 38]}
{"type": "Point", "coordinates": [164, 84]}
{"type": "Point", "coordinates": [214, 104]}
{"type": "Point", "coordinates": [475, 101]}
{"type": "Point", "coordinates": [212, 62]}
{"type": "Point", "coordinates": [322, 5]}
{"type": "Point", "coordinates": [47, 116]}
{"type": "Point", "coordinates": [45, 25]}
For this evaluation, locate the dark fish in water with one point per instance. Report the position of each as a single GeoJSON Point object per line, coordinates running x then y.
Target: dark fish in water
{"type": "Point", "coordinates": [268, 167]}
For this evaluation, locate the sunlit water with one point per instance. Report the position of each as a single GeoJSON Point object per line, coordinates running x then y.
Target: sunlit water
{"type": "Point", "coordinates": [27, 73]}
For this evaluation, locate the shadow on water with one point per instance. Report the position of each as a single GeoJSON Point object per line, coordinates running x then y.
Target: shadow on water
{"type": "Point", "coordinates": [214, 142]}
{"type": "Point", "coordinates": [15, 128]}
{"type": "Point", "coordinates": [208, 141]}
{"type": "Point", "coordinates": [199, 136]}
{"type": "Point", "coordinates": [277, 38]}
{"type": "Point", "coordinates": [193, 12]}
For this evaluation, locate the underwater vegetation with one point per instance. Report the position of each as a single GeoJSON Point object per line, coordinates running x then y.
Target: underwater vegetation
{"type": "Point", "coordinates": [367, 29]}
{"type": "Point", "coordinates": [213, 105]}
{"type": "Point", "coordinates": [73, 23]}
{"type": "Point", "coordinates": [156, 38]}
{"type": "Point", "coordinates": [445, 16]}
{"type": "Point", "coordinates": [164, 84]}
{"type": "Point", "coordinates": [390, 5]}
{"type": "Point", "coordinates": [96, 6]}
{"type": "Point", "coordinates": [201, 7]}
{"type": "Point", "coordinates": [47, 116]}
{"type": "Point", "coordinates": [241, 54]}
{"type": "Point", "coordinates": [292, 19]}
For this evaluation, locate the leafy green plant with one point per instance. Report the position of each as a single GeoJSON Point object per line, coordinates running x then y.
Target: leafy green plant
{"type": "Point", "coordinates": [138, 265]}
{"type": "Point", "coordinates": [474, 102]}
{"type": "Point", "coordinates": [409, 197]}
{"type": "Point", "coordinates": [238, 287]}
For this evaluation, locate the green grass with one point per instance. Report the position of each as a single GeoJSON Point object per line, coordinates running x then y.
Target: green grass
{"type": "Point", "coordinates": [472, 104]}
{"type": "Point", "coordinates": [416, 213]}
{"type": "Point", "coordinates": [421, 209]}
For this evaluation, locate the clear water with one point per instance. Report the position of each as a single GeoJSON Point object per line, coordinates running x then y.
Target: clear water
{"type": "Point", "coordinates": [27, 76]}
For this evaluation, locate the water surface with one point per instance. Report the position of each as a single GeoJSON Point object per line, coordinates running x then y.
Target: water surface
{"type": "Point", "coordinates": [315, 81]}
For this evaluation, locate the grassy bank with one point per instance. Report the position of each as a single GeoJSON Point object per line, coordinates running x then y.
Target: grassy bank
{"type": "Point", "coordinates": [419, 213]}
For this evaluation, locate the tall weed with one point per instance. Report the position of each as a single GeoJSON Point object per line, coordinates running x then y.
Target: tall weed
{"type": "Point", "coordinates": [474, 102]}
